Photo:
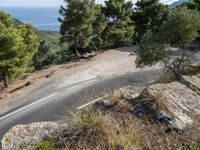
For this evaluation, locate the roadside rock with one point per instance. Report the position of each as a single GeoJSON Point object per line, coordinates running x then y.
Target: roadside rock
{"type": "Point", "coordinates": [102, 105]}
{"type": "Point", "coordinates": [28, 83]}
{"type": "Point", "coordinates": [179, 104]}
{"type": "Point", "coordinates": [127, 92]}
{"type": "Point", "coordinates": [26, 137]}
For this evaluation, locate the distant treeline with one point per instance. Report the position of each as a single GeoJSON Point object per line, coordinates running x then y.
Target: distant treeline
{"type": "Point", "coordinates": [87, 26]}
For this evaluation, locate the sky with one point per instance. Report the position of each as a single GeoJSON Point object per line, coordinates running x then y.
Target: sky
{"type": "Point", "coordinates": [46, 3]}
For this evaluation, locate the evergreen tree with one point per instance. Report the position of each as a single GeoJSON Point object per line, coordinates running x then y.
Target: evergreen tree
{"type": "Point", "coordinates": [180, 28]}
{"type": "Point", "coordinates": [98, 27]}
{"type": "Point", "coordinates": [77, 24]}
{"type": "Point", "coordinates": [149, 15]}
{"type": "Point", "coordinates": [120, 28]}
{"type": "Point", "coordinates": [17, 46]}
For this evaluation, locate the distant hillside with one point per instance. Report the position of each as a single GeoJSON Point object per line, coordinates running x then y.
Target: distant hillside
{"type": "Point", "coordinates": [176, 3]}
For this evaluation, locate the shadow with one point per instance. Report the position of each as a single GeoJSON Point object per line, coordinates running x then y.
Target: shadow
{"type": "Point", "coordinates": [16, 89]}
{"type": "Point", "coordinates": [130, 49]}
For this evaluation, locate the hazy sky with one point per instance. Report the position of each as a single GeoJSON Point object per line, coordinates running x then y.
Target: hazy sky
{"type": "Point", "coordinates": [41, 3]}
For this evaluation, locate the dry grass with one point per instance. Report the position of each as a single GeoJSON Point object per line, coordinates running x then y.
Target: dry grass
{"type": "Point", "coordinates": [151, 134]}
{"type": "Point", "coordinates": [90, 129]}
{"type": "Point", "coordinates": [117, 128]}
{"type": "Point", "coordinates": [159, 102]}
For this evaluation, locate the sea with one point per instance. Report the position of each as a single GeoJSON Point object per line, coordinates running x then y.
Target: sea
{"type": "Point", "coordinates": [42, 18]}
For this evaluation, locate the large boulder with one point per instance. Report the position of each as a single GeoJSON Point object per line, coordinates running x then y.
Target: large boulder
{"type": "Point", "coordinates": [177, 101]}
{"type": "Point", "coordinates": [26, 137]}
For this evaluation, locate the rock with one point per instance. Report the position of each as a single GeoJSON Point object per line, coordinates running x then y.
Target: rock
{"type": "Point", "coordinates": [27, 137]}
{"type": "Point", "coordinates": [193, 80]}
{"type": "Point", "coordinates": [118, 94]}
{"type": "Point", "coordinates": [28, 83]}
{"type": "Point", "coordinates": [102, 105]}
{"type": "Point", "coordinates": [128, 93]}
{"type": "Point", "coordinates": [138, 111]}
{"type": "Point", "coordinates": [161, 116]}
{"type": "Point", "coordinates": [179, 104]}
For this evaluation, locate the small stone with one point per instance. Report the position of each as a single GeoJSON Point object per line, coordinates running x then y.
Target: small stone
{"type": "Point", "coordinates": [103, 104]}
{"type": "Point", "coordinates": [28, 83]}
{"type": "Point", "coordinates": [138, 111]}
{"type": "Point", "coordinates": [161, 116]}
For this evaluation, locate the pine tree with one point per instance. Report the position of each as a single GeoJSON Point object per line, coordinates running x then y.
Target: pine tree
{"type": "Point", "coordinates": [180, 28]}
{"type": "Point", "coordinates": [120, 28]}
{"type": "Point", "coordinates": [77, 24]}
{"type": "Point", "coordinates": [17, 46]}
{"type": "Point", "coordinates": [149, 15]}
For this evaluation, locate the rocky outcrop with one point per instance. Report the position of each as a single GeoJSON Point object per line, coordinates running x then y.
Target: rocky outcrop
{"type": "Point", "coordinates": [193, 80]}
{"type": "Point", "coordinates": [177, 101]}
{"type": "Point", "coordinates": [26, 137]}
{"type": "Point", "coordinates": [174, 104]}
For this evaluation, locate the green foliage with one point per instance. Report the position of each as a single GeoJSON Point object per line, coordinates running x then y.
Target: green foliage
{"type": "Point", "coordinates": [150, 51]}
{"type": "Point", "coordinates": [149, 15]}
{"type": "Point", "coordinates": [98, 27]}
{"type": "Point", "coordinates": [181, 27]}
{"type": "Point", "coordinates": [44, 146]}
{"type": "Point", "coordinates": [78, 23]}
{"type": "Point", "coordinates": [17, 47]}
{"type": "Point", "coordinates": [48, 51]}
{"type": "Point", "coordinates": [193, 5]}
{"type": "Point", "coordinates": [120, 28]}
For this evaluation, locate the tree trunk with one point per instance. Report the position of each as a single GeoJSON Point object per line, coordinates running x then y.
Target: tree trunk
{"type": "Point", "coordinates": [181, 60]}
{"type": "Point", "coordinates": [5, 81]}
{"type": "Point", "coordinates": [76, 51]}
{"type": "Point", "coordinates": [75, 43]}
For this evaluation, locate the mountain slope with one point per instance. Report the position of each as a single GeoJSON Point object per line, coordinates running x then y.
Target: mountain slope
{"type": "Point", "coordinates": [176, 3]}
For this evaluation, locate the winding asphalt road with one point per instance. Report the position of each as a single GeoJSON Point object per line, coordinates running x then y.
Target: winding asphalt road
{"type": "Point", "coordinates": [49, 104]}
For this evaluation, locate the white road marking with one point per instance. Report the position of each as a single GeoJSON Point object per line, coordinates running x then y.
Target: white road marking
{"type": "Point", "coordinates": [92, 102]}
{"type": "Point", "coordinates": [16, 111]}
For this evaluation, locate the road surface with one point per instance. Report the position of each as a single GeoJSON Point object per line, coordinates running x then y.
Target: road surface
{"type": "Point", "coordinates": [50, 105]}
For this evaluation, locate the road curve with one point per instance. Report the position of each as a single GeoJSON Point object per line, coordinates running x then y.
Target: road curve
{"type": "Point", "coordinates": [55, 104]}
